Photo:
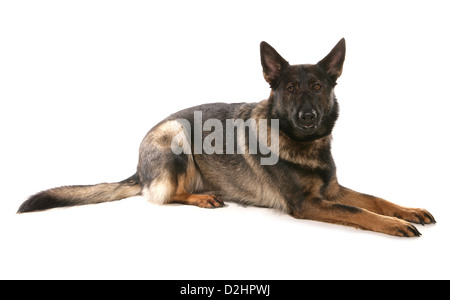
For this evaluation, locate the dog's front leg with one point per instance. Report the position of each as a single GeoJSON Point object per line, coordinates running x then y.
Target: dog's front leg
{"type": "Point", "coordinates": [326, 211]}
{"type": "Point", "coordinates": [384, 207]}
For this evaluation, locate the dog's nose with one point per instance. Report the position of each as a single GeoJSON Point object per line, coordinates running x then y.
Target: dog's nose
{"type": "Point", "coordinates": [307, 115]}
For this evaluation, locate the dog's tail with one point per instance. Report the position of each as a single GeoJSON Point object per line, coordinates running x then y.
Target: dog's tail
{"type": "Point", "coordinates": [82, 194]}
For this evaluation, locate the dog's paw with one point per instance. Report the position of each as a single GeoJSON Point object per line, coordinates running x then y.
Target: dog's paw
{"type": "Point", "coordinates": [399, 227]}
{"type": "Point", "coordinates": [415, 215]}
{"type": "Point", "coordinates": [208, 201]}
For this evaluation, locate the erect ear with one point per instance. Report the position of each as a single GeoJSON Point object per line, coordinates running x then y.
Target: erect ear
{"type": "Point", "coordinates": [272, 64]}
{"type": "Point", "coordinates": [334, 61]}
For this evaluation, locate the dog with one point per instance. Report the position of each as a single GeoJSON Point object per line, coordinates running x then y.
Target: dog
{"type": "Point", "coordinates": [285, 164]}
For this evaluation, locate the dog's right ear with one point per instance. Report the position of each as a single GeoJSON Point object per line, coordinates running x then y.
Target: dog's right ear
{"type": "Point", "coordinates": [272, 64]}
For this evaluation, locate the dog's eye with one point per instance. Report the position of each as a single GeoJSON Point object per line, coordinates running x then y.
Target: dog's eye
{"type": "Point", "coordinates": [290, 89]}
{"type": "Point", "coordinates": [317, 86]}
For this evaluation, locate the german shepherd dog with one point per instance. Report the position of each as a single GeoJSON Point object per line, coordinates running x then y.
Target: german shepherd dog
{"type": "Point", "coordinates": [298, 178]}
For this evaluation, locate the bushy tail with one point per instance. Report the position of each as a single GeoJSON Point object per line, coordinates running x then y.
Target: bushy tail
{"type": "Point", "coordinates": [82, 194]}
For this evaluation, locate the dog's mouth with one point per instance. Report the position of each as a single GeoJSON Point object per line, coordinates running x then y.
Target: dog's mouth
{"type": "Point", "coordinates": [307, 129]}
{"type": "Point", "coordinates": [309, 126]}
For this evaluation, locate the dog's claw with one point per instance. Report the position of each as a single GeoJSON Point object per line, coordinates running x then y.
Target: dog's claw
{"type": "Point", "coordinates": [429, 216]}
{"type": "Point", "coordinates": [416, 215]}
{"type": "Point", "coordinates": [218, 200]}
{"type": "Point", "coordinates": [414, 230]}
{"type": "Point", "coordinates": [421, 221]}
{"type": "Point", "coordinates": [411, 230]}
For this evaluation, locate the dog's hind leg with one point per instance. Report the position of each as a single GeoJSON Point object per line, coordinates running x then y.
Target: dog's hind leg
{"type": "Point", "coordinates": [206, 201]}
{"type": "Point", "coordinates": [169, 177]}
{"type": "Point", "coordinates": [188, 184]}
{"type": "Point", "coordinates": [164, 190]}
{"type": "Point", "coordinates": [184, 197]}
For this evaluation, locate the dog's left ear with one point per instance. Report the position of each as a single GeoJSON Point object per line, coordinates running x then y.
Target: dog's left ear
{"type": "Point", "coordinates": [272, 64]}
{"type": "Point", "coordinates": [334, 61]}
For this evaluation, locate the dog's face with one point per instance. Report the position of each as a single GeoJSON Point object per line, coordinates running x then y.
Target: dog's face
{"type": "Point", "coordinates": [304, 94]}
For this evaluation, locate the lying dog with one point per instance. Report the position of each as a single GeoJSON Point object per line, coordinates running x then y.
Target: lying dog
{"type": "Point", "coordinates": [275, 153]}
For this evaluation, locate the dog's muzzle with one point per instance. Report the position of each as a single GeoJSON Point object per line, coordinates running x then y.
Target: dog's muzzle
{"type": "Point", "coordinates": [308, 120]}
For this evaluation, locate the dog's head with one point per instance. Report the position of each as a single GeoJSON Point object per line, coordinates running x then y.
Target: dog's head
{"type": "Point", "coordinates": [303, 95]}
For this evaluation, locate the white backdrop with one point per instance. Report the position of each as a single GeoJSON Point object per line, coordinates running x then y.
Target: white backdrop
{"type": "Point", "coordinates": [81, 82]}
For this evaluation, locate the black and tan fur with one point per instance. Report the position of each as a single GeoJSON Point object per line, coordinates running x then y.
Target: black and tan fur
{"type": "Point", "coordinates": [302, 183]}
